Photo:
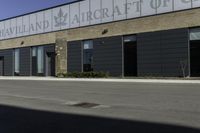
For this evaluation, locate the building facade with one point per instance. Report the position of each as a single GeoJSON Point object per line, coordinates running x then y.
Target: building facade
{"type": "Point", "coordinates": [122, 37]}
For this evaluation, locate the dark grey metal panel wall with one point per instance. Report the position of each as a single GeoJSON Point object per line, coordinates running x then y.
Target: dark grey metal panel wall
{"type": "Point", "coordinates": [8, 61]}
{"type": "Point", "coordinates": [1, 66]}
{"type": "Point", "coordinates": [25, 61]}
{"type": "Point", "coordinates": [149, 54]}
{"type": "Point", "coordinates": [49, 48]}
{"type": "Point", "coordinates": [74, 56]}
{"type": "Point", "coordinates": [174, 51]}
{"type": "Point", "coordinates": [161, 53]}
{"type": "Point", "coordinates": [108, 55]}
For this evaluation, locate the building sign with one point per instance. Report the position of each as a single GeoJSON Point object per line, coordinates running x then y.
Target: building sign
{"type": "Point", "coordinates": [88, 12]}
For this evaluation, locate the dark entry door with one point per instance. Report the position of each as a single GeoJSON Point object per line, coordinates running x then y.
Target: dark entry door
{"type": "Point", "coordinates": [34, 65]}
{"type": "Point", "coordinates": [195, 58]}
{"type": "Point", "coordinates": [50, 64]}
{"type": "Point", "coordinates": [1, 66]}
{"type": "Point", "coordinates": [130, 57]}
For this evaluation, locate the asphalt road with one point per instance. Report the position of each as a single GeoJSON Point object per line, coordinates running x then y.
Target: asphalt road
{"type": "Point", "coordinates": [98, 107]}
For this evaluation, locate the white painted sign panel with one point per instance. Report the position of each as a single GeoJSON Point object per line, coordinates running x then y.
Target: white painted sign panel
{"type": "Point", "coordinates": [88, 12]}
{"type": "Point", "coordinates": [119, 10]}
{"type": "Point", "coordinates": [182, 4]}
{"type": "Point", "coordinates": [20, 31]}
{"type": "Point", "coordinates": [57, 16]}
{"type": "Point", "coordinates": [195, 3]}
{"type": "Point", "coordinates": [2, 30]}
{"type": "Point", "coordinates": [164, 6]}
{"type": "Point", "coordinates": [84, 9]}
{"type": "Point", "coordinates": [48, 20]}
{"type": "Point", "coordinates": [107, 11]}
{"type": "Point", "coordinates": [133, 8]}
{"type": "Point", "coordinates": [32, 25]}
{"type": "Point", "coordinates": [65, 19]}
{"type": "Point", "coordinates": [13, 24]}
{"type": "Point", "coordinates": [96, 11]}
{"type": "Point", "coordinates": [148, 7]}
{"type": "Point", "coordinates": [74, 15]}
{"type": "Point", "coordinates": [25, 24]}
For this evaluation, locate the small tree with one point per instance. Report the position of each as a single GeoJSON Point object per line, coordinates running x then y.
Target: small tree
{"type": "Point", "coordinates": [183, 64]}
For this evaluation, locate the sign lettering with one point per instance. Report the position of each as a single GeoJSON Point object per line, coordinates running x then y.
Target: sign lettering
{"type": "Point", "coordinates": [65, 18]}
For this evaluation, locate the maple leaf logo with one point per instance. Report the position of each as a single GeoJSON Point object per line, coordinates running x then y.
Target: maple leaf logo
{"type": "Point", "coordinates": [60, 19]}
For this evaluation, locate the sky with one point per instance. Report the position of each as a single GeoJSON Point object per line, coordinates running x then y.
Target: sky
{"type": "Point", "coordinates": [11, 8]}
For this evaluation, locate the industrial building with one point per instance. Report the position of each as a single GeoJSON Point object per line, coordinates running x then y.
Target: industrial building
{"type": "Point", "coordinates": [133, 38]}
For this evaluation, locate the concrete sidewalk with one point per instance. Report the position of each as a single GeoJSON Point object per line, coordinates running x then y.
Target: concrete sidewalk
{"type": "Point", "coordinates": [172, 81]}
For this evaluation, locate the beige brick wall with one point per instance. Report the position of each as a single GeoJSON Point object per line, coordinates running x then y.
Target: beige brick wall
{"type": "Point", "coordinates": [28, 41]}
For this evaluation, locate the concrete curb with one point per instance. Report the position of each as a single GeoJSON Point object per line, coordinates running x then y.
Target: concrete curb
{"type": "Point", "coordinates": [172, 81]}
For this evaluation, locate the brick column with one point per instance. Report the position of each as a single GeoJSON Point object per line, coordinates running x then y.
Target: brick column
{"type": "Point", "coordinates": [61, 56]}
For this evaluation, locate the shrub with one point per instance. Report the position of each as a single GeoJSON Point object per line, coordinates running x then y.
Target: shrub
{"type": "Point", "coordinates": [84, 75]}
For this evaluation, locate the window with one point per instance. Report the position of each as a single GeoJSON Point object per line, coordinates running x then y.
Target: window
{"type": "Point", "coordinates": [130, 39]}
{"type": "Point", "coordinates": [16, 54]}
{"type": "Point", "coordinates": [88, 56]}
{"type": "Point", "coordinates": [195, 34]}
{"type": "Point", "coordinates": [88, 44]}
{"type": "Point", "coordinates": [40, 60]}
{"type": "Point", "coordinates": [34, 51]}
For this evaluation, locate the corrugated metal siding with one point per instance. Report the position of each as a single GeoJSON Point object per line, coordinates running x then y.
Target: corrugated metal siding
{"type": "Point", "coordinates": [1, 66]}
{"type": "Point", "coordinates": [74, 56]}
{"type": "Point", "coordinates": [174, 51]}
{"type": "Point", "coordinates": [25, 61]}
{"type": "Point", "coordinates": [161, 53]}
{"type": "Point", "coordinates": [8, 61]}
{"type": "Point", "coordinates": [49, 48]}
{"type": "Point", "coordinates": [108, 55]}
{"type": "Point", "coordinates": [148, 50]}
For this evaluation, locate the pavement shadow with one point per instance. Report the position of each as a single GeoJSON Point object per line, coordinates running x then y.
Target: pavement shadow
{"type": "Point", "coordinates": [20, 120]}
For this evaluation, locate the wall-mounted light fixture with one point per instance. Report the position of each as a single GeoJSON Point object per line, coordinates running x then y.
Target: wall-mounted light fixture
{"type": "Point", "coordinates": [104, 31]}
{"type": "Point", "coordinates": [22, 43]}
